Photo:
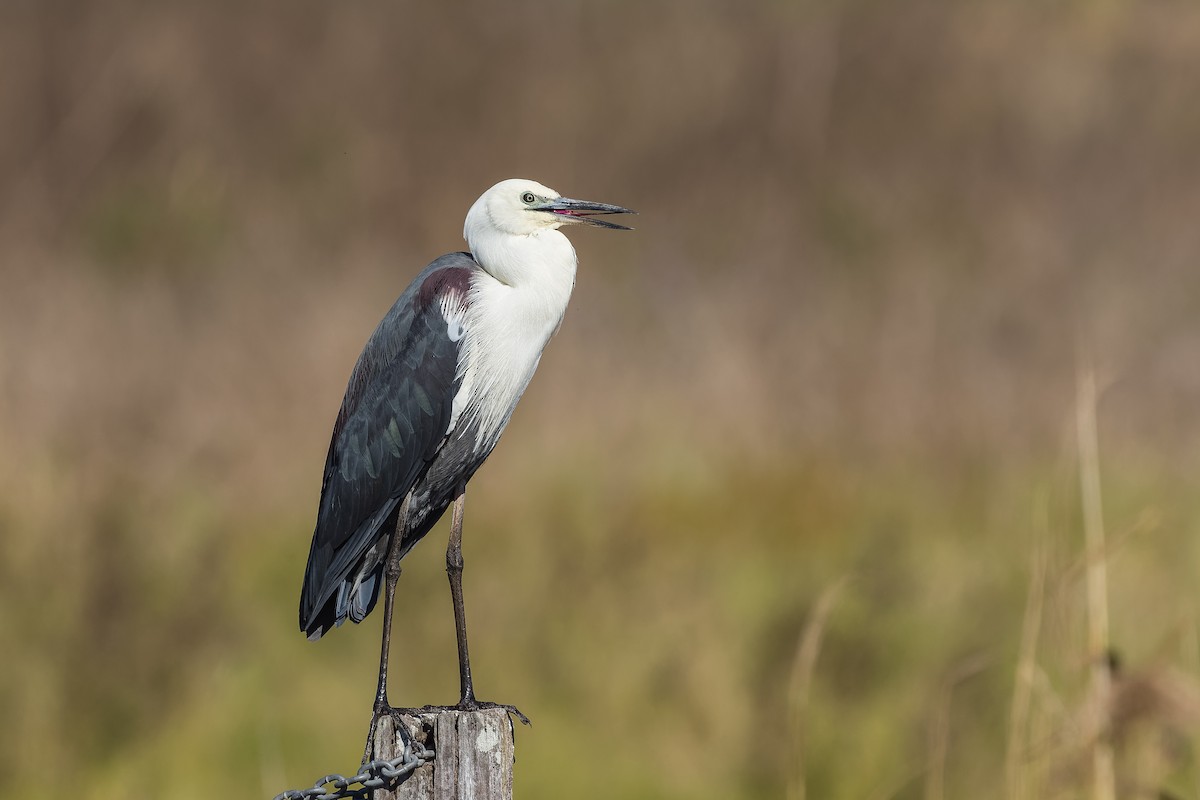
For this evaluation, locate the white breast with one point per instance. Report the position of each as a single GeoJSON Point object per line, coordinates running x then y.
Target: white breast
{"type": "Point", "coordinates": [506, 327]}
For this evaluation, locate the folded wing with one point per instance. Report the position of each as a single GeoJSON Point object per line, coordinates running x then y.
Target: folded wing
{"type": "Point", "coordinates": [395, 416]}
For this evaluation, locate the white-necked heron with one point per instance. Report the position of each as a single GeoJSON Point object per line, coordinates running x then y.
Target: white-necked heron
{"type": "Point", "coordinates": [427, 401]}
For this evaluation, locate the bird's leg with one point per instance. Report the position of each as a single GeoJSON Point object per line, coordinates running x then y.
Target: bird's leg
{"type": "Point", "coordinates": [454, 570]}
{"type": "Point", "coordinates": [391, 574]}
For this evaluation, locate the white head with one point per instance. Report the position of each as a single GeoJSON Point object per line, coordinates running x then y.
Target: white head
{"type": "Point", "coordinates": [519, 207]}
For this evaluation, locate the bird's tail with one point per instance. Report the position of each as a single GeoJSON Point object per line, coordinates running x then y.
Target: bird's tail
{"type": "Point", "coordinates": [353, 600]}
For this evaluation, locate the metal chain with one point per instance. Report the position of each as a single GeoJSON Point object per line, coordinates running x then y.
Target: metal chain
{"type": "Point", "coordinates": [379, 774]}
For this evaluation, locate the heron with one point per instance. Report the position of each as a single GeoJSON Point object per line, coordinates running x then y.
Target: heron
{"type": "Point", "coordinates": [427, 401]}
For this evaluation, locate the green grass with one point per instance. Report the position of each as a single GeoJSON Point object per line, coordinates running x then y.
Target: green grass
{"type": "Point", "coordinates": [648, 627]}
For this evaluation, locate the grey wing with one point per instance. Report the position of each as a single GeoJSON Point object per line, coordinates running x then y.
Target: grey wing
{"type": "Point", "coordinates": [394, 418]}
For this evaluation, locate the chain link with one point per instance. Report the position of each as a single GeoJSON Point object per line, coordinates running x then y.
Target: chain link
{"type": "Point", "coordinates": [379, 774]}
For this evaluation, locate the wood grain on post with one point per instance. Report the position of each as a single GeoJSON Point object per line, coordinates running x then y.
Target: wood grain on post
{"type": "Point", "coordinates": [474, 755]}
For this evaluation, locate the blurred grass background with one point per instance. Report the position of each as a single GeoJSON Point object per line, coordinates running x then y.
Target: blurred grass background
{"type": "Point", "coordinates": [875, 240]}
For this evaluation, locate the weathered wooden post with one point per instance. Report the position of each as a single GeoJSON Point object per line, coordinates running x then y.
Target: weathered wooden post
{"type": "Point", "coordinates": [474, 755]}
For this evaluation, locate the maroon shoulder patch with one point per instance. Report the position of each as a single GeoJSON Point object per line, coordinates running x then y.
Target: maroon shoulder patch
{"type": "Point", "coordinates": [442, 282]}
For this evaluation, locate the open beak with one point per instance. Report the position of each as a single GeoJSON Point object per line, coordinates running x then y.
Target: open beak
{"type": "Point", "coordinates": [585, 211]}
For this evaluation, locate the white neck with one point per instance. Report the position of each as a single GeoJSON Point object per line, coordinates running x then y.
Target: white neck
{"type": "Point", "coordinates": [544, 257]}
{"type": "Point", "coordinates": [517, 305]}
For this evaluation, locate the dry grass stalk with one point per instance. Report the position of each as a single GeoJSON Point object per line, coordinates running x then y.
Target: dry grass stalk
{"type": "Point", "coordinates": [1018, 719]}
{"type": "Point", "coordinates": [803, 667]}
{"type": "Point", "coordinates": [1190, 647]}
{"type": "Point", "coordinates": [1103, 776]}
{"type": "Point", "coordinates": [939, 729]}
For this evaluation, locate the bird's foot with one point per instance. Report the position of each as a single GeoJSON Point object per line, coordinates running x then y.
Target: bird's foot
{"type": "Point", "coordinates": [471, 704]}
{"type": "Point", "coordinates": [399, 724]}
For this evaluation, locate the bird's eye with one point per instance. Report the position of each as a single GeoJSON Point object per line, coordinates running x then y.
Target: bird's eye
{"type": "Point", "coordinates": [528, 198]}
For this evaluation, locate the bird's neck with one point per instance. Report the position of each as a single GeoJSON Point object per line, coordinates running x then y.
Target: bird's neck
{"type": "Point", "coordinates": [542, 261]}
{"type": "Point", "coordinates": [518, 300]}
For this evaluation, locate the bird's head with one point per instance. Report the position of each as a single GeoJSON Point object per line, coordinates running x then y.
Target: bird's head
{"type": "Point", "coordinates": [520, 207]}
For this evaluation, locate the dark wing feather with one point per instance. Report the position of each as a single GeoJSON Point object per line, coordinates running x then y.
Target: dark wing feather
{"type": "Point", "coordinates": [393, 419]}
